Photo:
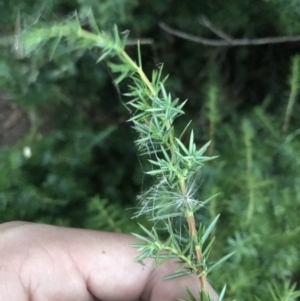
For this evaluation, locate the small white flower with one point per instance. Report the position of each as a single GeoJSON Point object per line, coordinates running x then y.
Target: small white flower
{"type": "Point", "coordinates": [27, 152]}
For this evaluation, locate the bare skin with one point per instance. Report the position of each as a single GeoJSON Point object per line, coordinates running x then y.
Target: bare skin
{"type": "Point", "coordinates": [48, 263]}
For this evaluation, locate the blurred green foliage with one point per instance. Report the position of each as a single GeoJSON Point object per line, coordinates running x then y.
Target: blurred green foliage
{"type": "Point", "coordinates": [84, 171]}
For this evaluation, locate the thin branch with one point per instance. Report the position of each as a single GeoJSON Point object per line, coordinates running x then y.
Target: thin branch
{"type": "Point", "coordinates": [206, 22]}
{"type": "Point", "coordinates": [10, 40]}
{"type": "Point", "coordinates": [145, 41]}
{"type": "Point", "coordinates": [231, 42]}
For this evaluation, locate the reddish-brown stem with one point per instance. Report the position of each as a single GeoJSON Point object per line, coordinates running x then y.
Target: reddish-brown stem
{"type": "Point", "coordinates": [193, 231]}
{"type": "Point", "coordinates": [192, 228]}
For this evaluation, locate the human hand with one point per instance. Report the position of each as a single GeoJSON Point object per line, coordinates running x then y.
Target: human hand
{"type": "Point", "coordinates": [48, 263]}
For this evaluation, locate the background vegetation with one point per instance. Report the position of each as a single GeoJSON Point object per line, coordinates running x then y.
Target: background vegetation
{"type": "Point", "coordinates": [67, 155]}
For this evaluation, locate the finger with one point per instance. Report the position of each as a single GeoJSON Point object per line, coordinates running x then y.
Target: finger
{"type": "Point", "coordinates": [34, 265]}
{"type": "Point", "coordinates": [49, 262]}
{"type": "Point", "coordinates": [87, 263]}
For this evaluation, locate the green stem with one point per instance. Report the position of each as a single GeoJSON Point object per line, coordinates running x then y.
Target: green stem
{"type": "Point", "coordinates": [193, 231]}
{"type": "Point", "coordinates": [248, 135]}
{"type": "Point", "coordinates": [294, 82]}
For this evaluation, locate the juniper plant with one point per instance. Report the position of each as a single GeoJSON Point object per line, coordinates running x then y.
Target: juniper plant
{"type": "Point", "coordinates": [175, 165]}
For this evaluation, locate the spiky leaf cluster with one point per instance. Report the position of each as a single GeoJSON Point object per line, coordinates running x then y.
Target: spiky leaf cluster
{"type": "Point", "coordinates": [179, 247]}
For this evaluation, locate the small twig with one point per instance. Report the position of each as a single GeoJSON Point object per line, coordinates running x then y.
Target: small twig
{"type": "Point", "coordinates": [231, 42]}
{"type": "Point", "coordinates": [294, 84]}
{"type": "Point", "coordinates": [132, 42]}
{"type": "Point", "coordinates": [205, 22]}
